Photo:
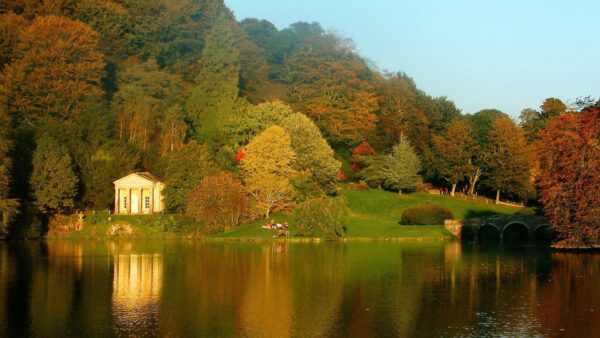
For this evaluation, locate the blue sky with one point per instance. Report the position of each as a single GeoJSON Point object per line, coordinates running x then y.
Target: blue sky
{"type": "Point", "coordinates": [504, 54]}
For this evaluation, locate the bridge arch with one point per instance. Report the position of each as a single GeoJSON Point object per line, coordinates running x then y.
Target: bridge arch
{"type": "Point", "coordinates": [489, 231]}
{"type": "Point", "coordinates": [520, 230]}
{"type": "Point", "coordinates": [540, 236]}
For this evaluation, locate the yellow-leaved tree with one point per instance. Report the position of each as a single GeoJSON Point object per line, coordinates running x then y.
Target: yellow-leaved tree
{"type": "Point", "coordinates": [267, 168]}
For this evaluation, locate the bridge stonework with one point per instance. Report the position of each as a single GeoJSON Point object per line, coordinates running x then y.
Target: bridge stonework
{"type": "Point", "coordinates": [469, 228]}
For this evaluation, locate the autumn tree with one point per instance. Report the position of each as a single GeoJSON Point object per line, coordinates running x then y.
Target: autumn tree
{"type": "Point", "coordinates": [398, 112]}
{"type": "Point", "coordinates": [267, 168]}
{"type": "Point", "coordinates": [59, 68]}
{"type": "Point", "coordinates": [8, 206]}
{"type": "Point", "coordinates": [401, 167]}
{"type": "Point", "coordinates": [569, 177]}
{"type": "Point", "coordinates": [312, 151]}
{"type": "Point", "coordinates": [330, 86]}
{"type": "Point", "coordinates": [186, 167]}
{"type": "Point", "coordinates": [508, 160]}
{"type": "Point", "coordinates": [363, 149]}
{"type": "Point", "coordinates": [220, 200]}
{"type": "Point", "coordinates": [53, 182]}
{"type": "Point", "coordinates": [455, 153]}
{"type": "Point", "coordinates": [11, 26]}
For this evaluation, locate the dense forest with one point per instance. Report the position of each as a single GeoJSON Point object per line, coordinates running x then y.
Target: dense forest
{"type": "Point", "coordinates": [92, 90]}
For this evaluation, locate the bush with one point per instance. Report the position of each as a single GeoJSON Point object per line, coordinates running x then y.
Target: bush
{"type": "Point", "coordinates": [321, 217]}
{"type": "Point", "coordinates": [361, 186]}
{"type": "Point", "coordinates": [426, 214]}
{"type": "Point", "coordinates": [424, 187]}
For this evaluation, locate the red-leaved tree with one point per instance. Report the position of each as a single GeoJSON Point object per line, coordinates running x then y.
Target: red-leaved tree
{"type": "Point", "coordinates": [362, 149]}
{"type": "Point", "coordinates": [569, 177]}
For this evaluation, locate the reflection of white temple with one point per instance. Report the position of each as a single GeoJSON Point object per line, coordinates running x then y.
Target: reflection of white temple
{"type": "Point", "coordinates": [137, 284]}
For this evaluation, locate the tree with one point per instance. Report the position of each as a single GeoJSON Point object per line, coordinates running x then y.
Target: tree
{"type": "Point", "coordinates": [255, 119]}
{"type": "Point", "coordinates": [186, 167]}
{"type": "Point", "coordinates": [11, 26]}
{"type": "Point", "coordinates": [213, 99]}
{"type": "Point", "coordinates": [59, 70]}
{"type": "Point", "coordinates": [531, 122]}
{"type": "Point", "coordinates": [569, 177]}
{"type": "Point", "coordinates": [373, 169]}
{"type": "Point", "coordinates": [401, 167]}
{"type": "Point", "coordinates": [330, 86]}
{"type": "Point", "coordinates": [312, 151]}
{"type": "Point", "coordinates": [322, 216]}
{"type": "Point", "coordinates": [267, 168]}
{"type": "Point", "coordinates": [363, 149]}
{"type": "Point", "coordinates": [53, 182]}
{"type": "Point", "coordinates": [9, 207]}
{"type": "Point", "coordinates": [507, 159]}
{"type": "Point", "coordinates": [455, 153]}
{"type": "Point", "coordinates": [552, 107]}
{"type": "Point", "coordinates": [220, 200]}
{"type": "Point", "coordinates": [100, 165]}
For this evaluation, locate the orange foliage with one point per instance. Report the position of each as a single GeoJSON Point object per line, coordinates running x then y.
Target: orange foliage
{"type": "Point", "coordinates": [219, 200]}
{"type": "Point", "coordinates": [240, 155]}
{"type": "Point", "coordinates": [569, 177]}
{"type": "Point", "coordinates": [360, 150]}
{"type": "Point", "coordinates": [341, 176]}
{"type": "Point", "coordinates": [59, 69]}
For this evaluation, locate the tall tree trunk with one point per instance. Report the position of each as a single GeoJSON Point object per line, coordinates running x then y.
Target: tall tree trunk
{"type": "Point", "coordinates": [473, 180]}
{"type": "Point", "coordinates": [453, 189]}
{"type": "Point", "coordinates": [497, 196]}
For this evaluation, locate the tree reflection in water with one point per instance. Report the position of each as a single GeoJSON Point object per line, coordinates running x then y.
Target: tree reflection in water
{"type": "Point", "coordinates": [187, 288]}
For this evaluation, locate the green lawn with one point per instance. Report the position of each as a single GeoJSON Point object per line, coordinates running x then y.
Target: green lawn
{"type": "Point", "coordinates": [375, 214]}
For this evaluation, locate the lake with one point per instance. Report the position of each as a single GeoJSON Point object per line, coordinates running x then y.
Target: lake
{"type": "Point", "coordinates": [278, 289]}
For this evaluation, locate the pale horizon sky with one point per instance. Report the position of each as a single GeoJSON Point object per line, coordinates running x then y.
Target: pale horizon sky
{"type": "Point", "coordinates": [508, 55]}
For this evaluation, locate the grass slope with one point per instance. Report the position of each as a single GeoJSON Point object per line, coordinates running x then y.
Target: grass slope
{"type": "Point", "coordinates": [375, 214]}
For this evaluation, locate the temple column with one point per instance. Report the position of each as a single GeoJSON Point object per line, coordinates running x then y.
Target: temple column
{"type": "Point", "coordinates": [117, 200]}
{"type": "Point", "coordinates": [129, 200]}
{"type": "Point", "coordinates": [140, 205]}
{"type": "Point", "coordinates": [152, 200]}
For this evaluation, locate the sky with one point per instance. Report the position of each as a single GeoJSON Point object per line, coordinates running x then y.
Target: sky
{"type": "Point", "coordinates": [503, 54]}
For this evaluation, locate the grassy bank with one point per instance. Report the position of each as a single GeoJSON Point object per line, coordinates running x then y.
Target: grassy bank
{"type": "Point", "coordinates": [374, 214]}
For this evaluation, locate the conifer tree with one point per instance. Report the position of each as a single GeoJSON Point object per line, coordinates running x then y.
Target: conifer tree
{"type": "Point", "coordinates": [401, 167]}
{"type": "Point", "coordinates": [214, 97]}
{"type": "Point", "coordinates": [53, 182]}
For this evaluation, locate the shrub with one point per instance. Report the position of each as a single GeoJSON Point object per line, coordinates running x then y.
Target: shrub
{"type": "Point", "coordinates": [219, 201]}
{"type": "Point", "coordinates": [426, 214]}
{"type": "Point", "coordinates": [424, 187]}
{"type": "Point", "coordinates": [361, 186]}
{"type": "Point", "coordinates": [321, 217]}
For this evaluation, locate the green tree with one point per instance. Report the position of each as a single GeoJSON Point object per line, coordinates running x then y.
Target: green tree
{"type": "Point", "coordinates": [324, 216]}
{"type": "Point", "coordinates": [401, 167]}
{"type": "Point", "coordinates": [312, 151]}
{"type": "Point", "coordinates": [53, 182]}
{"type": "Point", "coordinates": [508, 160]}
{"type": "Point", "coordinates": [214, 97]}
{"type": "Point", "coordinates": [255, 119]}
{"type": "Point", "coordinates": [185, 169]}
{"type": "Point", "coordinates": [373, 172]}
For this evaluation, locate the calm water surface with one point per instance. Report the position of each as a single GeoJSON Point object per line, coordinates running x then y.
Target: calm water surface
{"type": "Point", "coordinates": [187, 289]}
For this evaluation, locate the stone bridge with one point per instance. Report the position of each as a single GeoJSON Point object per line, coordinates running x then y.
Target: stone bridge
{"type": "Point", "coordinates": [471, 228]}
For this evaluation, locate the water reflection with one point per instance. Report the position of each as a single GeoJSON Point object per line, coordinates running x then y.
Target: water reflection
{"type": "Point", "coordinates": [294, 289]}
